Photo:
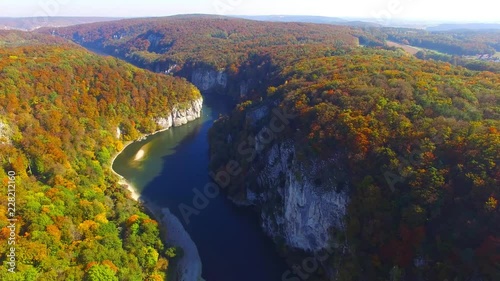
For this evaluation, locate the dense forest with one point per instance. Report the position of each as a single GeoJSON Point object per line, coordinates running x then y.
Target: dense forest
{"type": "Point", "coordinates": [472, 49]}
{"type": "Point", "coordinates": [461, 43]}
{"type": "Point", "coordinates": [174, 43]}
{"type": "Point", "coordinates": [421, 144]}
{"type": "Point", "coordinates": [419, 139]}
{"type": "Point", "coordinates": [60, 107]}
{"type": "Point", "coordinates": [218, 42]}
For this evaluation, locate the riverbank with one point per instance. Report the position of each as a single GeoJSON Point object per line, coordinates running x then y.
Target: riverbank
{"type": "Point", "coordinates": [229, 239]}
{"type": "Point", "coordinates": [189, 266]}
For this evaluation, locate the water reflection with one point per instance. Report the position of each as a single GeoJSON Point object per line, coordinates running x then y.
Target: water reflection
{"type": "Point", "coordinates": [231, 243]}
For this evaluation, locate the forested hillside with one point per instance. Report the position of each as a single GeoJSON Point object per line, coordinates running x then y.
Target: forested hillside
{"type": "Point", "coordinates": [420, 143]}
{"type": "Point", "coordinates": [457, 42]}
{"type": "Point", "coordinates": [215, 41]}
{"type": "Point", "coordinates": [60, 111]}
{"type": "Point", "coordinates": [475, 50]}
{"type": "Point", "coordinates": [32, 23]}
{"type": "Point", "coordinates": [413, 144]}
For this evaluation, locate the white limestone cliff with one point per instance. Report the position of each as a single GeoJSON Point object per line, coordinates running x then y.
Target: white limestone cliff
{"type": "Point", "coordinates": [294, 209]}
{"type": "Point", "coordinates": [181, 116]}
{"type": "Point", "coordinates": [207, 80]}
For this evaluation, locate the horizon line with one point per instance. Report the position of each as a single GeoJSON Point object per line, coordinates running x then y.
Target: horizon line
{"type": "Point", "coordinates": [352, 18]}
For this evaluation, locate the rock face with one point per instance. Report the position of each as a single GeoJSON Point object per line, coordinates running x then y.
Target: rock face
{"type": "Point", "coordinates": [208, 80]}
{"type": "Point", "coordinates": [301, 203]}
{"type": "Point", "coordinates": [177, 117]}
{"type": "Point", "coordinates": [244, 85]}
{"type": "Point", "coordinates": [211, 80]}
{"type": "Point", "coordinates": [181, 116]}
{"type": "Point", "coordinates": [302, 199]}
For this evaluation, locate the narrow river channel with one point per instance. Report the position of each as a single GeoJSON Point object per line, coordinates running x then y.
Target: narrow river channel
{"type": "Point", "coordinates": [230, 242]}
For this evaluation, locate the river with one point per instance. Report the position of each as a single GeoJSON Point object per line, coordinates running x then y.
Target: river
{"type": "Point", "coordinates": [230, 242]}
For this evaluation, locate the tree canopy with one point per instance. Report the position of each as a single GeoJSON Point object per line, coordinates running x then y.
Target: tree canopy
{"type": "Point", "coordinates": [63, 106]}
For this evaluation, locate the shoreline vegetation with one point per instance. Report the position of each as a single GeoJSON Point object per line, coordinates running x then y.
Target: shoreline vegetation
{"type": "Point", "coordinates": [77, 223]}
{"type": "Point", "coordinates": [188, 267]}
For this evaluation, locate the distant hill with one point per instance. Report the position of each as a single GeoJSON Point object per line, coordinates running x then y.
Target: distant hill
{"type": "Point", "coordinates": [466, 26]}
{"type": "Point", "coordinates": [32, 23]}
{"type": "Point", "coordinates": [309, 19]}
{"type": "Point", "coordinates": [158, 43]}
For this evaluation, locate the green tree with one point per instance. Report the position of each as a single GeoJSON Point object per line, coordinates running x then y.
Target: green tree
{"type": "Point", "coordinates": [100, 273]}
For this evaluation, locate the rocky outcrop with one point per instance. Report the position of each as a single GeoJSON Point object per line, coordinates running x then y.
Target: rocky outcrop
{"type": "Point", "coordinates": [211, 80]}
{"type": "Point", "coordinates": [180, 116]}
{"type": "Point", "coordinates": [257, 114]}
{"type": "Point", "coordinates": [302, 199]}
{"type": "Point", "coordinates": [302, 203]}
{"type": "Point", "coordinates": [183, 116]}
{"type": "Point", "coordinates": [244, 86]}
{"type": "Point", "coordinates": [208, 80]}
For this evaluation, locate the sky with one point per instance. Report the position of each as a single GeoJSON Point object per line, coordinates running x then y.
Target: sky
{"type": "Point", "coordinates": [384, 10]}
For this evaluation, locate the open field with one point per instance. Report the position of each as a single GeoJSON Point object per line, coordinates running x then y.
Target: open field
{"type": "Point", "coordinates": [409, 49]}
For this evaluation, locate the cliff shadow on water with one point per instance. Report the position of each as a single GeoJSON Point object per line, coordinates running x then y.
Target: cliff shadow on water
{"type": "Point", "coordinates": [173, 170]}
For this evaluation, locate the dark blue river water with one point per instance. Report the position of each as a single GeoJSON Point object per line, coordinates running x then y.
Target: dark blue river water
{"type": "Point", "coordinates": [230, 241]}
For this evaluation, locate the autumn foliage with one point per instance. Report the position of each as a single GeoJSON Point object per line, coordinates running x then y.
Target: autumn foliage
{"type": "Point", "coordinates": [420, 142]}
{"type": "Point", "coordinates": [62, 106]}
